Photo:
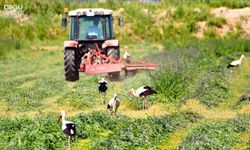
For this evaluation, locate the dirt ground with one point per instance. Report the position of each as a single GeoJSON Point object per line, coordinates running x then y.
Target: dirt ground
{"type": "Point", "coordinates": [235, 18]}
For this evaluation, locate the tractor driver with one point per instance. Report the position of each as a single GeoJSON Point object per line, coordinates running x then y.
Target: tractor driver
{"type": "Point", "coordinates": [94, 31]}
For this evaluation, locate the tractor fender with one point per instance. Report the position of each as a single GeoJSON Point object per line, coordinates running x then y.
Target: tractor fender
{"type": "Point", "coordinates": [110, 43]}
{"type": "Point", "coordinates": [70, 44]}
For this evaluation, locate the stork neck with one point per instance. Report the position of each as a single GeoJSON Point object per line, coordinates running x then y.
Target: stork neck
{"type": "Point", "coordinates": [241, 58]}
{"type": "Point", "coordinates": [63, 118]}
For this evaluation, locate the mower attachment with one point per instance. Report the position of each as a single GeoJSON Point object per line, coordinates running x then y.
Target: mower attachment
{"type": "Point", "coordinates": [102, 68]}
{"type": "Point", "coordinates": [94, 62]}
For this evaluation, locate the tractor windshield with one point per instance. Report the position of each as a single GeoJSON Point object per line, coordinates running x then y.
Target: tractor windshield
{"type": "Point", "coordinates": [91, 27]}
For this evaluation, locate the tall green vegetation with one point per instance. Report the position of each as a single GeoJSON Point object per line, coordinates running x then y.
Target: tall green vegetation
{"type": "Point", "coordinates": [143, 22]}
{"type": "Point", "coordinates": [45, 132]}
{"type": "Point", "coordinates": [197, 69]}
{"type": "Point", "coordinates": [173, 78]}
{"type": "Point", "coordinates": [23, 133]}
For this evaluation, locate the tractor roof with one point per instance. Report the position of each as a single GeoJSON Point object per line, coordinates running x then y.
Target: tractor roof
{"type": "Point", "coordinates": [90, 12]}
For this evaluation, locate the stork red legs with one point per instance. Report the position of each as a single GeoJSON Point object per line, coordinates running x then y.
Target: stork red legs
{"type": "Point", "coordinates": [143, 92]}
{"type": "Point", "coordinates": [68, 127]}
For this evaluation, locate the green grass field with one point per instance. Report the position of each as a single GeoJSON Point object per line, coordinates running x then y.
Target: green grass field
{"type": "Point", "coordinates": [201, 104]}
{"type": "Point", "coordinates": [33, 90]}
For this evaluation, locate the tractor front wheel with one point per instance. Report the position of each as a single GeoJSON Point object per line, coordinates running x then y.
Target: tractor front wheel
{"type": "Point", "coordinates": [71, 65]}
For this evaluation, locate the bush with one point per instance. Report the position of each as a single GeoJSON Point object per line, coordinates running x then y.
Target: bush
{"type": "Point", "coordinates": [171, 85]}
{"type": "Point", "coordinates": [216, 21]}
{"type": "Point", "coordinates": [178, 70]}
{"type": "Point", "coordinates": [210, 32]}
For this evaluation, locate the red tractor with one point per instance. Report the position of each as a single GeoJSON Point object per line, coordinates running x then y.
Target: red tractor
{"type": "Point", "coordinates": [92, 47]}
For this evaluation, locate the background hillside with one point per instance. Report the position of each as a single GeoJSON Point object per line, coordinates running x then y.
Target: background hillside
{"type": "Point", "coordinates": [201, 104]}
{"type": "Point", "coordinates": [158, 22]}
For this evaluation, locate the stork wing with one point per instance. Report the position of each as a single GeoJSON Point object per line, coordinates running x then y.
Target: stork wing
{"type": "Point", "coordinates": [70, 125]}
{"type": "Point", "coordinates": [70, 129]}
{"type": "Point", "coordinates": [147, 87]}
{"type": "Point", "coordinates": [235, 63]}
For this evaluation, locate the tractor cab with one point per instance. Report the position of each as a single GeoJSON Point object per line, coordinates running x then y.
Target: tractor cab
{"type": "Point", "coordinates": [91, 24]}
{"type": "Point", "coordinates": [89, 29]}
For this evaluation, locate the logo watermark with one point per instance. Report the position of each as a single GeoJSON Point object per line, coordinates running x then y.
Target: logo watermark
{"type": "Point", "coordinates": [13, 7]}
{"type": "Point", "coordinates": [12, 11]}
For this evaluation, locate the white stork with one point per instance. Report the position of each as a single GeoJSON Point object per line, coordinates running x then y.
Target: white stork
{"type": "Point", "coordinates": [126, 56]}
{"type": "Point", "coordinates": [113, 104]}
{"type": "Point", "coordinates": [236, 62]}
{"type": "Point", "coordinates": [102, 87]}
{"type": "Point", "coordinates": [68, 127]}
{"type": "Point", "coordinates": [144, 92]}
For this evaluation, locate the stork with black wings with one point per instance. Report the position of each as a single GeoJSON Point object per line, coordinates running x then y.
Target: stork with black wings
{"type": "Point", "coordinates": [143, 92]}
{"type": "Point", "coordinates": [68, 127]}
{"type": "Point", "coordinates": [102, 88]}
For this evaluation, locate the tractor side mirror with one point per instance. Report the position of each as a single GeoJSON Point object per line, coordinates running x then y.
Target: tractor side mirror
{"type": "Point", "coordinates": [120, 21]}
{"type": "Point", "coordinates": [64, 19]}
{"type": "Point", "coordinates": [64, 22]}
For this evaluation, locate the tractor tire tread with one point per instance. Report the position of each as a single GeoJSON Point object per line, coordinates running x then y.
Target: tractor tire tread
{"type": "Point", "coordinates": [70, 65]}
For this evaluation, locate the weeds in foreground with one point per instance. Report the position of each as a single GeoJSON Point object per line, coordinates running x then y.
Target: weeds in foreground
{"type": "Point", "coordinates": [123, 132]}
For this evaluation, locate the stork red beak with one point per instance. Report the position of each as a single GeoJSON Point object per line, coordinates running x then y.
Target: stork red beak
{"type": "Point", "coordinates": [59, 118]}
{"type": "Point", "coordinates": [129, 93]}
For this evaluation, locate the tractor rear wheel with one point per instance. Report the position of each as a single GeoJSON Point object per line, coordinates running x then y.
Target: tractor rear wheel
{"type": "Point", "coordinates": [71, 65]}
{"type": "Point", "coordinates": [114, 53]}
{"type": "Point", "coordinates": [130, 73]}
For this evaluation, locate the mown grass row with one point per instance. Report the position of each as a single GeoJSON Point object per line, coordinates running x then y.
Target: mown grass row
{"type": "Point", "coordinates": [83, 95]}
{"type": "Point", "coordinates": [217, 135]}
{"type": "Point", "coordinates": [26, 81]}
{"type": "Point", "coordinates": [45, 133]}
{"type": "Point", "coordinates": [245, 97]}
{"type": "Point", "coordinates": [121, 132]}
